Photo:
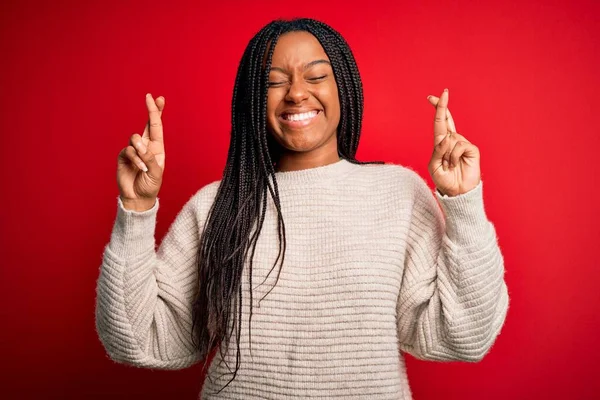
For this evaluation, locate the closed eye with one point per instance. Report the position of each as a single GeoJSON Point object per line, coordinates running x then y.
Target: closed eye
{"type": "Point", "coordinates": [318, 78]}
{"type": "Point", "coordinates": [280, 83]}
{"type": "Point", "coordinates": [269, 84]}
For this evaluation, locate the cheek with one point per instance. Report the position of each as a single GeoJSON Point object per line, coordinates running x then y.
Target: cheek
{"type": "Point", "coordinates": [334, 117]}
{"type": "Point", "coordinates": [332, 103]}
{"type": "Point", "coordinates": [271, 107]}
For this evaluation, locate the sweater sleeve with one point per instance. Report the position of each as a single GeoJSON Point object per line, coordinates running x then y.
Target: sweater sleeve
{"type": "Point", "coordinates": [453, 299]}
{"type": "Point", "coordinates": [144, 297]}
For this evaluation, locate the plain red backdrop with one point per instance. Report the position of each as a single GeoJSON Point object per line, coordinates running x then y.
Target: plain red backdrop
{"type": "Point", "coordinates": [524, 87]}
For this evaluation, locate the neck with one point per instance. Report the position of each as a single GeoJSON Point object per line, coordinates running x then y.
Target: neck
{"type": "Point", "coordinates": [318, 175]}
{"type": "Point", "coordinates": [298, 162]}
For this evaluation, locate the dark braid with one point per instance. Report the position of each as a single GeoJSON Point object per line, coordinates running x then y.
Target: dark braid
{"type": "Point", "coordinates": [241, 199]}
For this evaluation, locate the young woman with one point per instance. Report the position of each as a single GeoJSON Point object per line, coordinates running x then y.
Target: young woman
{"type": "Point", "coordinates": [370, 266]}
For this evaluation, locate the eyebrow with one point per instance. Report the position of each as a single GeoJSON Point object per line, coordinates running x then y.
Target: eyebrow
{"type": "Point", "coordinates": [307, 66]}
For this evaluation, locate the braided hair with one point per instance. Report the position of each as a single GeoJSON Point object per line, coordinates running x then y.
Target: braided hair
{"type": "Point", "coordinates": [241, 199]}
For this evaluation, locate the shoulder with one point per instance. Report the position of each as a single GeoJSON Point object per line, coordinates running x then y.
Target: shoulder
{"type": "Point", "coordinates": [202, 200]}
{"type": "Point", "coordinates": [207, 193]}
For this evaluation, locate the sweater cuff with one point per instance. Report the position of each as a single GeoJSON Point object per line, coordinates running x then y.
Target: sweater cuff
{"type": "Point", "coordinates": [466, 220]}
{"type": "Point", "coordinates": [133, 231]}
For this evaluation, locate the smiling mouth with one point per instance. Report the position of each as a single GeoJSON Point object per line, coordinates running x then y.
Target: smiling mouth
{"type": "Point", "coordinates": [298, 120]}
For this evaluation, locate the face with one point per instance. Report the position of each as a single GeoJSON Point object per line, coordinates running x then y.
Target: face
{"type": "Point", "coordinates": [303, 108]}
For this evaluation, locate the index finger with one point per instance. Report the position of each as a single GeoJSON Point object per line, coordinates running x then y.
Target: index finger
{"type": "Point", "coordinates": [154, 128]}
{"type": "Point", "coordinates": [440, 126]}
{"type": "Point", "coordinates": [160, 103]}
{"type": "Point", "coordinates": [451, 125]}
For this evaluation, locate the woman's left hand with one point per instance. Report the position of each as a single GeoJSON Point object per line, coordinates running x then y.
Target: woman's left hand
{"type": "Point", "coordinates": [454, 165]}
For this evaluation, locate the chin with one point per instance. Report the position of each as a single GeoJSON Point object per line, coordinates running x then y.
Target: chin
{"type": "Point", "coordinates": [300, 141]}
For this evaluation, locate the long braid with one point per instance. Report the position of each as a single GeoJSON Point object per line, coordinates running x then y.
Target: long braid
{"type": "Point", "coordinates": [237, 214]}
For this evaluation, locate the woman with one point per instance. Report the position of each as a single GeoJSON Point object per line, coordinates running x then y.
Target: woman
{"type": "Point", "coordinates": [370, 267]}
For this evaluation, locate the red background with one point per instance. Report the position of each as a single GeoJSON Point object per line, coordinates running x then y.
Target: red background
{"type": "Point", "coordinates": [524, 86]}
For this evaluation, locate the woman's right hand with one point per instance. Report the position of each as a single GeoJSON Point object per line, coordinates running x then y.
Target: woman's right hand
{"type": "Point", "coordinates": [140, 165]}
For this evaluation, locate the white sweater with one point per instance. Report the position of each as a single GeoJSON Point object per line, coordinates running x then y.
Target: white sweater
{"type": "Point", "coordinates": [374, 268]}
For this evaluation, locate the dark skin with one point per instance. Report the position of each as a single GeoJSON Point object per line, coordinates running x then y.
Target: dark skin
{"type": "Point", "coordinates": [303, 113]}
{"type": "Point", "coordinates": [303, 108]}
{"type": "Point", "coordinates": [302, 83]}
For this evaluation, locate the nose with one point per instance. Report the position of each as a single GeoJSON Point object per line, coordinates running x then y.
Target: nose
{"type": "Point", "coordinates": [298, 91]}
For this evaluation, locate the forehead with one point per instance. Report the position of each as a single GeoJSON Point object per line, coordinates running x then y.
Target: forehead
{"type": "Point", "coordinates": [296, 49]}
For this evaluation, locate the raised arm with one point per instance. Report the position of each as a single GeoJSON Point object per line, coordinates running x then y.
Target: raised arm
{"type": "Point", "coordinates": [144, 297]}
{"type": "Point", "coordinates": [453, 299]}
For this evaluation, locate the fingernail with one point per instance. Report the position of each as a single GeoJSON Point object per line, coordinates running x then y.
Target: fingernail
{"type": "Point", "coordinates": [445, 90]}
{"type": "Point", "coordinates": [445, 165]}
{"type": "Point", "coordinates": [148, 94]}
{"type": "Point", "coordinates": [428, 97]}
{"type": "Point", "coordinates": [143, 167]}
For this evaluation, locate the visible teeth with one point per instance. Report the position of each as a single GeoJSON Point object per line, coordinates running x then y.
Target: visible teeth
{"type": "Point", "coordinates": [301, 116]}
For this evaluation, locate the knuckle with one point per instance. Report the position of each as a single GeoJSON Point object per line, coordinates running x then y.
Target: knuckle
{"type": "Point", "coordinates": [130, 154]}
{"type": "Point", "coordinates": [134, 138]}
{"type": "Point", "coordinates": [137, 144]}
{"type": "Point", "coordinates": [122, 154]}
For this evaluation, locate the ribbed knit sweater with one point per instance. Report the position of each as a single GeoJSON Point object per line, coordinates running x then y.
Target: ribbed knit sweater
{"type": "Point", "coordinates": [374, 268]}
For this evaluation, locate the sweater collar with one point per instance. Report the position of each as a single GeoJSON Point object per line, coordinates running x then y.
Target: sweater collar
{"type": "Point", "coordinates": [316, 174]}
